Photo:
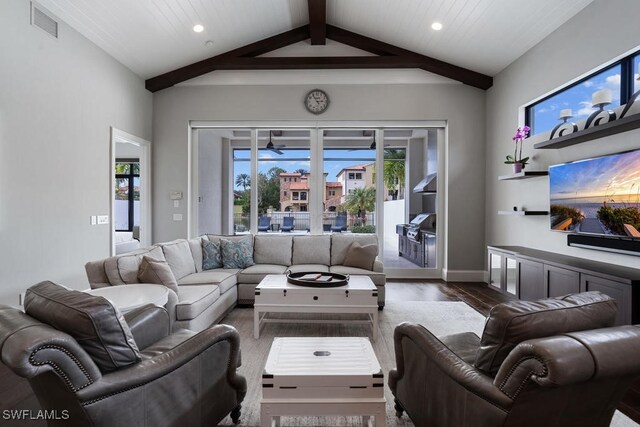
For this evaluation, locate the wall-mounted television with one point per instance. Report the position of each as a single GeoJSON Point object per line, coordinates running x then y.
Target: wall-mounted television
{"type": "Point", "coordinates": [598, 196]}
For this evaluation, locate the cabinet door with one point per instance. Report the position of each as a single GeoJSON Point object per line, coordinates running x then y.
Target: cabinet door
{"type": "Point", "coordinates": [511, 275]}
{"type": "Point", "coordinates": [620, 291]}
{"type": "Point", "coordinates": [560, 281]}
{"type": "Point", "coordinates": [495, 270]}
{"type": "Point", "coordinates": [530, 280]}
{"type": "Point", "coordinates": [431, 251]}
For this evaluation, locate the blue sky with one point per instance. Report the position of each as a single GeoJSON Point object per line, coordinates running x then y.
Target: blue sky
{"type": "Point", "coordinates": [616, 176]}
{"type": "Point", "coordinates": [578, 99]}
{"type": "Point", "coordinates": [299, 159]}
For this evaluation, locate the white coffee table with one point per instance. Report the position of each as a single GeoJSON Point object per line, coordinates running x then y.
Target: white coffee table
{"type": "Point", "coordinates": [130, 297]}
{"type": "Point", "coordinates": [275, 295]}
{"type": "Point", "coordinates": [322, 376]}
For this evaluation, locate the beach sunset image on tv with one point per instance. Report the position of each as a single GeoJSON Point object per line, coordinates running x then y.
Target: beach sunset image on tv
{"type": "Point", "coordinates": [597, 196]}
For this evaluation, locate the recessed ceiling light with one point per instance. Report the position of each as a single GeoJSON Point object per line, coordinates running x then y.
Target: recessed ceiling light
{"type": "Point", "coordinates": [436, 26]}
{"type": "Point", "coordinates": [198, 28]}
{"type": "Point", "coordinates": [208, 43]}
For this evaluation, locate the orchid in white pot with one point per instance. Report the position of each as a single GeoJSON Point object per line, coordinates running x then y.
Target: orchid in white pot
{"type": "Point", "coordinates": [516, 160]}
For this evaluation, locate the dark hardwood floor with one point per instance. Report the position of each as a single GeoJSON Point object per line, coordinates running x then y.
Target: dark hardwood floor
{"type": "Point", "coordinates": [16, 393]}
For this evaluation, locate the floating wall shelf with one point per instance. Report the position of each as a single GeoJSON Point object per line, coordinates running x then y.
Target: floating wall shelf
{"type": "Point", "coordinates": [523, 175]}
{"type": "Point", "coordinates": [523, 213]}
{"type": "Point", "coordinates": [611, 128]}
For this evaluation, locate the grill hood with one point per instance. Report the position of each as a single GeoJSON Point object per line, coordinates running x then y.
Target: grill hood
{"type": "Point", "coordinates": [428, 185]}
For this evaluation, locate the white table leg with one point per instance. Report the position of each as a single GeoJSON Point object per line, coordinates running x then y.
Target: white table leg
{"type": "Point", "coordinates": [256, 323]}
{"type": "Point", "coordinates": [366, 420]}
{"type": "Point", "coordinates": [275, 422]}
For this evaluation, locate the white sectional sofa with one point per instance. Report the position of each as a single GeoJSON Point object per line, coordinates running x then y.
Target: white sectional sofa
{"type": "Point", "coordinates": [205, 296]}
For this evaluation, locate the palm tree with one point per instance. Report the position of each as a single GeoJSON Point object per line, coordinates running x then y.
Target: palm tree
{"type": "Point", "coordinates": [361, 200]}
{"type": "Point", "coordinates": [394, 164]}
{"type": "Point", "coordinates": [301, 171]}
{"type": "Point", "coordinates": [243, 180]}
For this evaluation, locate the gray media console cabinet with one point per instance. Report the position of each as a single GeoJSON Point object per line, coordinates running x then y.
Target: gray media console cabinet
{"type": "Point", "coordinates": [530, 274]}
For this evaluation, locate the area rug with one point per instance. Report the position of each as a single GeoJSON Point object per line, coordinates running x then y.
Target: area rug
{"type": "Point", "coordinates": [442, 318]}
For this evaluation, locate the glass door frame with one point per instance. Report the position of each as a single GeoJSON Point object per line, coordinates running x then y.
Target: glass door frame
{"type": "Point", "coordinates": [317, 169]}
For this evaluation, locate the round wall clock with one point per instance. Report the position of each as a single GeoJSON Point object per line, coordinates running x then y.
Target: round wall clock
{"type": "Point", "coordinates": [316, 101]}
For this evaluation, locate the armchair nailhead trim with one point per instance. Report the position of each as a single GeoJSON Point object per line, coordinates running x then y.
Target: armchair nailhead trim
{"type": "Point", "coordinates": [526, 378]}
{"type": "Point", "coordinates": [58, 370]}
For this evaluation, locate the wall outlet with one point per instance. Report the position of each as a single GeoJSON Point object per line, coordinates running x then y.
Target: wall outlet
{"type": "Point", "coordinates": [176, 203]}
{"type": "Point", "coordinates": [94, 220]}
{"type": "Point", "coordinates": [103, 219]}
{"type": "Point", "coordinates": [177, 217]}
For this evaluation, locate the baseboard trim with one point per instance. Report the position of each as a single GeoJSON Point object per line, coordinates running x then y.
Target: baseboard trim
{"type": "Point", "coordinates": [463, 275]}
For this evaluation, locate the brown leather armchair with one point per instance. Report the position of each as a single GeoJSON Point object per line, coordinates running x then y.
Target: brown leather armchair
{"type": "Point", "coordinates": [553, 362]}
{"type": "Point", "coordinates": [180, 379]}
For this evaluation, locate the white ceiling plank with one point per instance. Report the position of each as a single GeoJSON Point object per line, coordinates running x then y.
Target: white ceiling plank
{"type": "Point", "coordinates": [152, 37]}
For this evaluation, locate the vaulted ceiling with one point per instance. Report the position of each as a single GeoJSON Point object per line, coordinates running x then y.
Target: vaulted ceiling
{"type": "Point", "coordinates": [153, 37]}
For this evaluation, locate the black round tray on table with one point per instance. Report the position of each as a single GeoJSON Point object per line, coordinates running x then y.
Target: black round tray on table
{"type": "Point", "coordinates": [337, 279]}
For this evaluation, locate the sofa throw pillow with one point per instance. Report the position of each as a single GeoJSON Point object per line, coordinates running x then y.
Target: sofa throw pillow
{"type": "Point", "coordinates": [238, 254]}
{"type": "Point", "coordinates": [211, 255]}
{"type": "Point", "coordinates": [92, 321]}
{"type": "Point", "coordinates": [158, 272]}
{"type": "Point", "coordinates": [361, 256]}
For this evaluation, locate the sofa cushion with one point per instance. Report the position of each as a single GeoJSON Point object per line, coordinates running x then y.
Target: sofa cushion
{"type": "Point", "coordinates": [195, 245]}
{"type": "Point", "coordinates": [361, 256]}
{"type": "Point", "coordinates": [159, 272]}
{"type": "Point", "coordinates": [272, 249]}
{"type": "Point", "coordinates": [232, 238]}
{"type": "Point", "coordinates": [299, 268]}
{"type": "Point", "coordinates": [511, 323]}
{"type": "Point", "coordinates": [340, 243]}
{"type": "Point", "coordinates": [211, 255]}
{"type": "Point", "coordinates": [237, 254]}
{"type": "Point", "coordinates": [179, 258]}
{"type": "Point", "coordinates": [225, 279]}
{"type": "Point", "coordinates": [256, 273]}
{"type": "Point", "coordinates": [123, 269]}
{"type": "Point", "coordinates": [378, 279]}
{"type": "Point", "coordinates": [194, 299]}
{"type": "Point", "coordinates": [92, 321]}
{"type": "Point", "coordinates": [312, 250]}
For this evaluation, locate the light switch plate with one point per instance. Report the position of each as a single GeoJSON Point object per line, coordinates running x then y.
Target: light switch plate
{"type": "Point", "coordinates": [176, 203]}
{"type": "Point", "coordinates": [175, 195]}
{"type": "Point", "coordinates": [103, 219]}
{"type": "Point", "coordinates": [177, 217]}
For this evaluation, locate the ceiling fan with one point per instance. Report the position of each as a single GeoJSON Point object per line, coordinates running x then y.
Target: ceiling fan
{"type": "Point", "coordinates": [274, 147]}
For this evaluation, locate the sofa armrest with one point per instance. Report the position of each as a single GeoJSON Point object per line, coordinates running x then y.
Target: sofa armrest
{"type": "Point", "coordinates": [96, 275]}
{"type": "Point", "coordinates": [148, 324]}
{"type": "Point", "coordinates": [378, 267]}
{"type": "Point", "coordinates": [220, 342]}
{"type": "Point", "coordinates": [433, 362]}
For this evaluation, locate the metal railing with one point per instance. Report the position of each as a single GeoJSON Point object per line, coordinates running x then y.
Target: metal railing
{"type": "Point", "coordinates": [301, 221]}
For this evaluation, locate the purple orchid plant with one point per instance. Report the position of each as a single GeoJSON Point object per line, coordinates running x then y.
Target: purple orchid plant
{"type": "Point", "coordinates": [519, 137]}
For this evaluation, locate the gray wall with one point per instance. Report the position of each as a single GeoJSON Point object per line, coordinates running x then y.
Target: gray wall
{"type": "Point", "coordinates": [461, 106]}
{"type": "Point", "coordinates": [574, 49]}
{"type": "Point", "coordinates": [57, 102]}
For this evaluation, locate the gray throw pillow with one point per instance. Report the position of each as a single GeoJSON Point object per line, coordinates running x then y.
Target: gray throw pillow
{"type": "Point", "coordinates": [157, 272]}
{"type": "Point", "coordinates": [92, 321]}
{"type": "Point", "coordinates": [361, 256]}
{"type": "Point", "coordinates": [238, 254]}
{"type": "Point", "coordinates": [211, 255]}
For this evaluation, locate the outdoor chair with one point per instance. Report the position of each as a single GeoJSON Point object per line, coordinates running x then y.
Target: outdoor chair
{"type": "Point", "coordinates": [340, 225]}
{"type": "Point", "coordinates": [287, 224]}
{"type": "Point", "coordinates": [264, 222]}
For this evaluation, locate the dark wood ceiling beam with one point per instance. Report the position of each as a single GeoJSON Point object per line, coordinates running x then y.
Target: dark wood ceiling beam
{"type": "Point", "coordinates": [318, 21]}
{"type": "Point", "coordinates": [179, 75]}
{"type": "Point", "coordinates": [464, 75]}
{"type": "Point", "coordinates": [317, 63]}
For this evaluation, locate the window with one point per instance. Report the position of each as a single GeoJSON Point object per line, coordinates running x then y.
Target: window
{"type": "Point", "coordinates": [127, 204]}
{"type": "Point", "coordinates": [296, 195]}
{"type": "Point", "coordinates": [241, 189]}
{"type": "Point", "coordinates": [303, 208]}
{"type": "Point", "coordinates": [284, 193]}
{"type": "Point", "coordinates": [636, 73]}
{"type": "Point", "coordinates": [352, 175]}
{"type": "Point", "coordinates": [303, 195]}
{"type": "Point", "coordinates": [544, 115]}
